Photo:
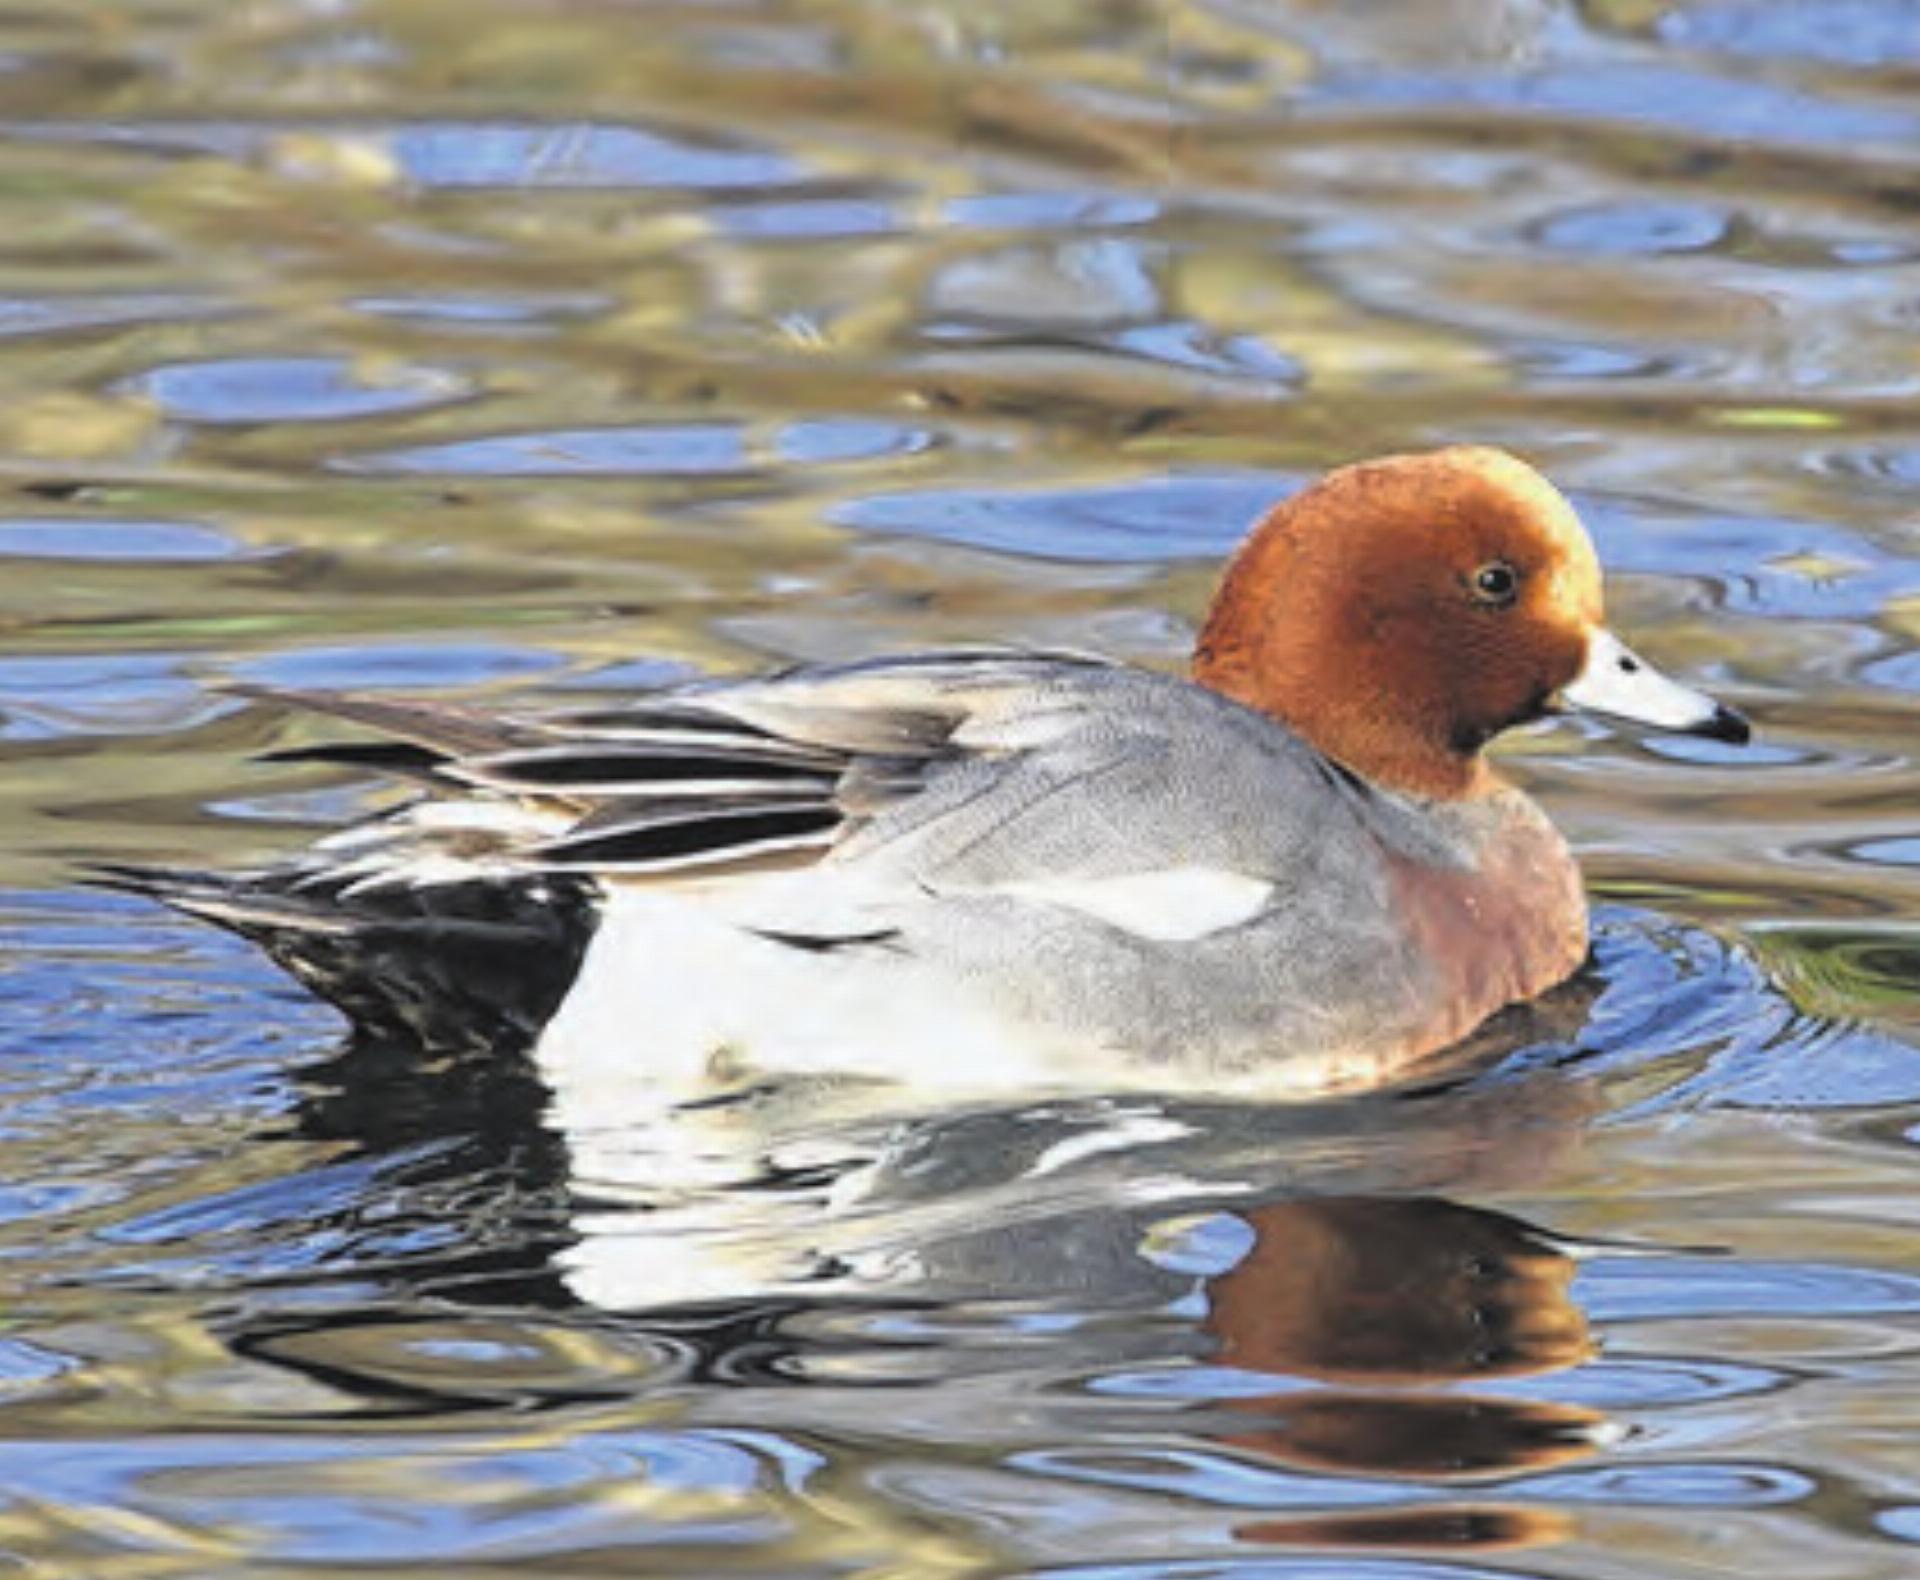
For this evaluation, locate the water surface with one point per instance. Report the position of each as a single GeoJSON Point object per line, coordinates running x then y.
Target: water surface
{"type": "Point", "coordinates": [497, 348]}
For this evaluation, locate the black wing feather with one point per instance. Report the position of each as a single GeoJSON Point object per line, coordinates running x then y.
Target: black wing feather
{"type": "Point", "coordinates": [730, 835]}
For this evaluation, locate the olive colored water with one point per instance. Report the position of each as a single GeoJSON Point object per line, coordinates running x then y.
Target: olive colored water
{"type": "Point", "coordinates": [496, 346]}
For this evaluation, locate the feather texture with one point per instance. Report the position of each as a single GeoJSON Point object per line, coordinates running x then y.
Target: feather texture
{"type": "Point", "coordinates": [722, 777]}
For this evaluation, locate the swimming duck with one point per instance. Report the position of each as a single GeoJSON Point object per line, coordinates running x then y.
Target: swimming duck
{"type": "Point", "coordinates": [1293, 869]}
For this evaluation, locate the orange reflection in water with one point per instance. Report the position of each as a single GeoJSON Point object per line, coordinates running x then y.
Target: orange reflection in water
{"type": "Point", "coordinates": [1393, 1303]}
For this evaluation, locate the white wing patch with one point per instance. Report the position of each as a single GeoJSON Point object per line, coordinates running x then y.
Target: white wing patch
{"type": "Point", "coordinates": [1171, 905]}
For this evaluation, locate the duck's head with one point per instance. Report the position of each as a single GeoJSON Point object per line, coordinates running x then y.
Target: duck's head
{"type": "Point", "coordinates": [1399, 614]}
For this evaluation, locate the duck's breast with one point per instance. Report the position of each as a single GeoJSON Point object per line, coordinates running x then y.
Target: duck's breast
{"type": "Point", "coordinates": [1498, 927]}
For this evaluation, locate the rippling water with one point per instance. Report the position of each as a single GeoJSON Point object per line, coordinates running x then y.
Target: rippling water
{"type": "Point", "coordinates": [537, 345]}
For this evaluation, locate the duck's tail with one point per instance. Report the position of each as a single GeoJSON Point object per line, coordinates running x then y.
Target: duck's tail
{"type": "Point", "coordinates": [479, 965]}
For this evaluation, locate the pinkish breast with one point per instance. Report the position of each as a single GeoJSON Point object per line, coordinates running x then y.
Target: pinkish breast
{"type": "Point", "coordinates": [1497, 932]}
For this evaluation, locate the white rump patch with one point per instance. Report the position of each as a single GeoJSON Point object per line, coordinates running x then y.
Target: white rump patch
{"type": "Point", "coordinates": [503, 819]}
{"type": "Point", "coordinates": [432, 843]}
{"type": "Point", "coordinates": [1171, 905]}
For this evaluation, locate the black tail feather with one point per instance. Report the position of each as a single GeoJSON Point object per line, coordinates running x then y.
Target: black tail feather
{"type": "Point", "coordinates": [455, 968]}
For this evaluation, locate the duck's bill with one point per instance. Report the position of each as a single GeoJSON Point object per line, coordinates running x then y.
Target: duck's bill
{"type": "Point", "coordinates": [1619, 683]}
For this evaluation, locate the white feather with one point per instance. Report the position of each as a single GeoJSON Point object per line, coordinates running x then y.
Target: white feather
{"type": "Point", "coordinates": [1172, 905]}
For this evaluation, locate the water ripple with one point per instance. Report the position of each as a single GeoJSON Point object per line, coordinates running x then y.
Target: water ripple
{"type": "Point", "coordinates": [292, 389]}
{"type": "Point", "coordinates": [103, 538]}
{"type": "Point", "coordinates": [661, 451]}
{"type": "Point", "coordinates": [1159, 518]}
{"type": "Point", "coordinates": [479, 346]}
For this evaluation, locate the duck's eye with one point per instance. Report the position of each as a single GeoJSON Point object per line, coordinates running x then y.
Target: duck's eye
{"type": "Point", "coordinates": [1496, 583]}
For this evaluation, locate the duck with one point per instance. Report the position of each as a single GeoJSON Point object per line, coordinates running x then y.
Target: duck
{"type": "Point", "coordinates": [1293, 869]}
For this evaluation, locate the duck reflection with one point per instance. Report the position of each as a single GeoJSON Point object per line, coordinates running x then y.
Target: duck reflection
{"type": "Point", "coordinates": [809, 1192]}
{"type": "Point", "coordinates": [1360, 1322]}
{"type": "Point", "coordinates": [1397, 1306]}
{"type": "Point", "coordinates": [465, 1188]}
{"type": "Point", "coordinates": [1385, 1290]}
{"type": "Point", "coordinates": [1484, 1529]}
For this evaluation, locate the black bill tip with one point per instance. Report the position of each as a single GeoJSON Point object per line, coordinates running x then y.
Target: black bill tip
{"type": "Point", "coordinates": [1725, 725]}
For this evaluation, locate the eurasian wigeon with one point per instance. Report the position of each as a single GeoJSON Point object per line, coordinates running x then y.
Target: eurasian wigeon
{"type": "Point", "coordinates": [1293, 870]}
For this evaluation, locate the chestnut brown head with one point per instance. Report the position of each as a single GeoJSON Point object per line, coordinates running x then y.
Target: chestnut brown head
{"type": "Point", "coordinates": [1399, 614]}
